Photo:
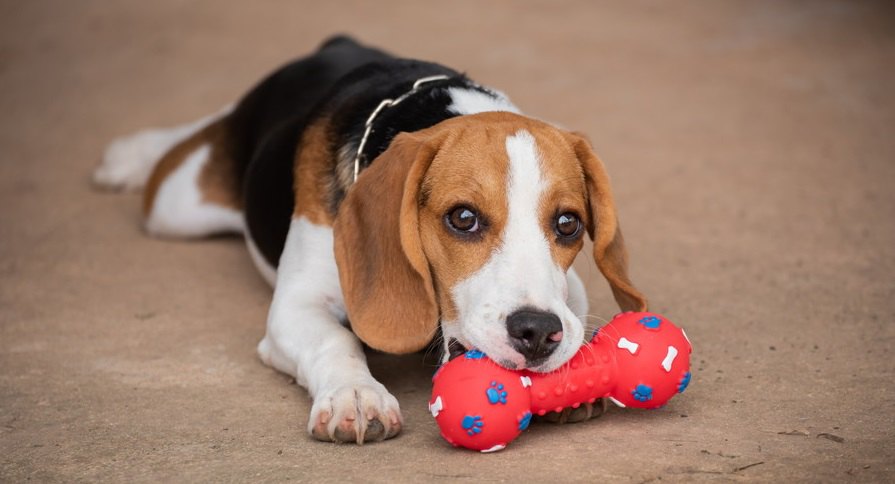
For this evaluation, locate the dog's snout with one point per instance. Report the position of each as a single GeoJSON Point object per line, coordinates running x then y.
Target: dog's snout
{"type": "Point", "coordinates": [534, 334]}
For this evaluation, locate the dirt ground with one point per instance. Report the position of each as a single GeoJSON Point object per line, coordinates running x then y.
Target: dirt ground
{"type": "Point", "coordinates": [752, 152]}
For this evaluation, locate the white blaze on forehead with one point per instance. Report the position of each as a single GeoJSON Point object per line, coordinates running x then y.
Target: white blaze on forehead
{"type": "Point", "coordinates": [521, 271]}
{"type": "Point", "coordinates": [525, 185]}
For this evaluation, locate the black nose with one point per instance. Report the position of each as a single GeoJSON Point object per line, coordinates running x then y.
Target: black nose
{"type": "Point", "coordinates": [534, 334]}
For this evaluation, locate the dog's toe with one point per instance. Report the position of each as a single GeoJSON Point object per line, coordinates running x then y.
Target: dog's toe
{"type": "Point", "coordinates": [355, 413]}
{"type": "Point", "coordinates": [319, 425]}
{"type": "Point", "coordinates": [346, 431]}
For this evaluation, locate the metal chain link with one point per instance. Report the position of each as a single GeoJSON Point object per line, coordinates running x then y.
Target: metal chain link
{"type": "Point", "coordinates": [387, 103]}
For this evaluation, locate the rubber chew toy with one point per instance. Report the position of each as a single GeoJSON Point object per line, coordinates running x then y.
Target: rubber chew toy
{"type": "Point", "coordinates": [638, 360]}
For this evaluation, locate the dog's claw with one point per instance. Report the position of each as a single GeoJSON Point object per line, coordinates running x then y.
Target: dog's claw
{"type": "Point", "coordinates": [361, 413]}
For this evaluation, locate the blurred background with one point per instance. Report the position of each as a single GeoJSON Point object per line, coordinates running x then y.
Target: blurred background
{"type": "Point", "coordinates": [752, 154]}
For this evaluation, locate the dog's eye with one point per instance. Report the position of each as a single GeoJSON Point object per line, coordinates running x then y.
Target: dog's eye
{"type": "Point", "coordinates": [567, 225]}
{"type": "Point", "coordinates": [463, 219]}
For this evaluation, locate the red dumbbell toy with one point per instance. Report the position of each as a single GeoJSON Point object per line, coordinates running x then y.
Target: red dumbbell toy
{"type": "Point", "coordinates": [638, 360]}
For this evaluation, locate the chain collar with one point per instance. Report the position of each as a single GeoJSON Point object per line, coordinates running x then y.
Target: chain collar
{"type": "Point", "coordinates": [388, 103]}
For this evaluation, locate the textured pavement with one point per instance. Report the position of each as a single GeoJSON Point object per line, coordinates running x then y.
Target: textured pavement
{"type": "Point", "coordinates": [752, 153]}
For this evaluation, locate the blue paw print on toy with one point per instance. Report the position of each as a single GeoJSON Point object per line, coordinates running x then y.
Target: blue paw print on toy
{"type": "Point", "coordinates": [642, 393]}
{"type": "Point", "coordinates": [685, 381]}
{"type": "Point", "coordinates": [474, 355]}
{"type": "Point", "coordinates": [650, 322]}
{"type": "Point", "coordinates": [472, 424]}
{"type": "Point", "coordinates": [526, 419]}
{"type": "Point", "coordinates": [496, 393]}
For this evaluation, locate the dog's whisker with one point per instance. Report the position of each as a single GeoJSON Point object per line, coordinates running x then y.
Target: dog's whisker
{"type": "Point", "coordinates": [593, 316]}
{"type": "Point", "coordinates": [436, 346]}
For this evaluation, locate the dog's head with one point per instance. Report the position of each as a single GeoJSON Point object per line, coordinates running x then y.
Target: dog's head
{"type": "Point", "coordinates": [475, 222]}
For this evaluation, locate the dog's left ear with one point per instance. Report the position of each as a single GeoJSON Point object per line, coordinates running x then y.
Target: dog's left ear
{"type": "Point", "coordinates": [610, 253]}
{"type": "Point", "coordinates": [384, 273]}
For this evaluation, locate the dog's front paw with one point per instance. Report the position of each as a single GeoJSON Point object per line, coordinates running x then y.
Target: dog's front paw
{"type": "Point", "coordinates": [585, 411]}
{"type": "Point", "coordinates": [359, 413]}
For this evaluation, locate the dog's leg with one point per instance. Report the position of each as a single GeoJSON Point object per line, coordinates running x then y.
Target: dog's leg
{"type": "Point", "coordinates": [191, 185]}
{"type": "Point", "coordinates": [129, 160]}
{"type": "Point", "coordinates": [306, 338]}
{"type": "Point", "coordinates": [182, 200]}
{"type": "Point", "coordinates": [195, 188]}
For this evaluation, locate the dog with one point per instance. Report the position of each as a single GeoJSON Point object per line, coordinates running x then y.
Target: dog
{"type": "Point", "coordinates": [389, 202]}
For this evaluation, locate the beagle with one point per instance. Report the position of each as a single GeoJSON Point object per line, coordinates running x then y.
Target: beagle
{"type": "Point", "coordinates": [389, 202]}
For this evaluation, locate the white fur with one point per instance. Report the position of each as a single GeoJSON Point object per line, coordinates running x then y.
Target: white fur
{"type": "Point", "coordinates": [129, 160]}
{"type": "Point", "coordinates": [306, 338]}
{"type": "Point", "coordinates": [520, 273]}
{"type": "Point", "coordinates": [577, 299]}
{"type": "Point", "coordinates": [178, 209]}
{"type": "Point", "coordinates": [471, 101]}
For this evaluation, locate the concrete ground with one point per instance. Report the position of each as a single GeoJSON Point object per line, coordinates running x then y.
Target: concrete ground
{"type": "Point", "coordinates": [752, 151]}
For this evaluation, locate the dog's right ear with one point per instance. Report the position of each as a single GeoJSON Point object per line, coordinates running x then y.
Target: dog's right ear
{"type": "Point", "coordinates": [609, 245]}
{"type": "Point", "coordinates": [383, 270]}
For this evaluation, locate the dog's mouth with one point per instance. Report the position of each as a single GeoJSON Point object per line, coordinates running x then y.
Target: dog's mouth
{"type": "Point", "coordinates": [456, 349]}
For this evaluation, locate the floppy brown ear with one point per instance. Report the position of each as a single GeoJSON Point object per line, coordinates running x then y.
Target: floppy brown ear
{"type": "Point", "coordinates": [609, 245]}
{"type": "Point", "coordinates": [384, 273]}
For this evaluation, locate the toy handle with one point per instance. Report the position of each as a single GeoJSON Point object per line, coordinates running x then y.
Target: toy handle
{"type": "Point", "coordinates": [591, 374]}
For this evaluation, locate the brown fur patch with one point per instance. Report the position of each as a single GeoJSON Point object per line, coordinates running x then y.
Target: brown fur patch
{"type": "Point", "coordinates": [471, 170]}
{"type": "Point", "coordinates": [384, 275]}
{"type": "Point", "coordinates": [610, 252]}
{"type": "Point", "coordinates": [396, 256]}
{"type": "Point", "coordinates": [565, 192]}
{"type": "Point", "coordinates": [217, 181]}
{"type": "Point", "coordinates": [170, 161]}
{"type": "Point", "coordinates": [313, 173]}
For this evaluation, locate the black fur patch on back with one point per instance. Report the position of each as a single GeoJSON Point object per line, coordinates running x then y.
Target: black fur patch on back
{"type": "Point", "coordinates": [266, 127]}
{"type": "Point", "coordinates": [344, 82]}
